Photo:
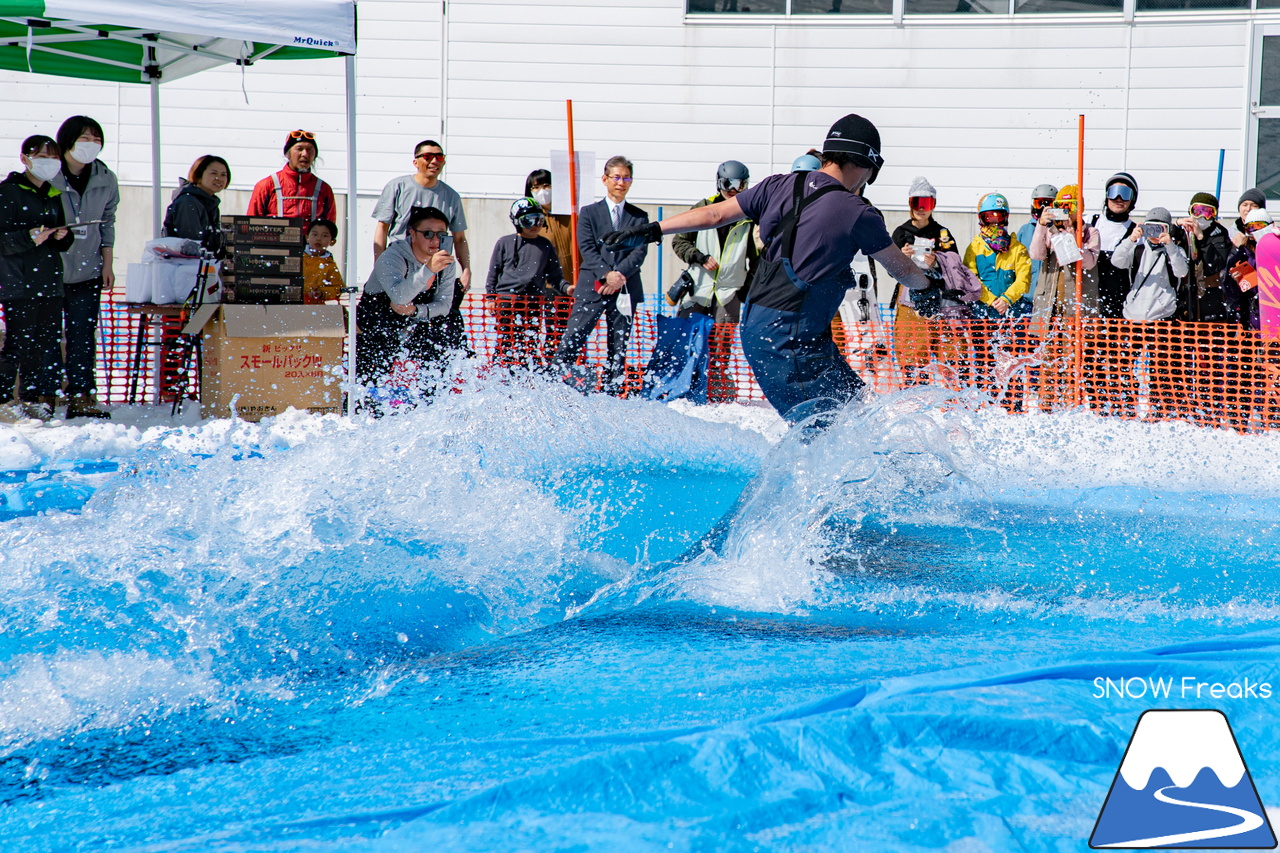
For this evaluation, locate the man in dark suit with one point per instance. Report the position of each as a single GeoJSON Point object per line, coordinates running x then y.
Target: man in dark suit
{"type": "Point", "coordinates": [605, 274]}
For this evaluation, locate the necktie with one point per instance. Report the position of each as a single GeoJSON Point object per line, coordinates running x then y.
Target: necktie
{"type": "Point", "coordinates": [617, 217]}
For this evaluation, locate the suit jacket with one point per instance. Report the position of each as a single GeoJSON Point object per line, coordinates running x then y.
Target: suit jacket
{"type": "Point", "coordinates": [594, 223]}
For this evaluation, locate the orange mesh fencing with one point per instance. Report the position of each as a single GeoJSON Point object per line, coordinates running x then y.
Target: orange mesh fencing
{"type": "Point", "coordinates": [1207, 374]}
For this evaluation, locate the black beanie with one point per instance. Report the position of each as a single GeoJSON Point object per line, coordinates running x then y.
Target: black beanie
{"type": "Point", "coordinates": [291, 140]}
{"type": "Point", "coordinates": [1205, 198]}
{"type": "Point", "coordinates": [854, 135]}
{"type": "Point", "coordinates": [1254, 195]}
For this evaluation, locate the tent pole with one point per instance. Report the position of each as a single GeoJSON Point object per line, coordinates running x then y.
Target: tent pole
{"type": "Point", "coordinates": [157, 214]}
{"type": "Point", "coordinates": [352, 231]}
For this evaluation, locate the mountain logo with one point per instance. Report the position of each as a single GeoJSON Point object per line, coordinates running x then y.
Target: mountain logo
{"type": "Point", "coordinates": [1182, 784]}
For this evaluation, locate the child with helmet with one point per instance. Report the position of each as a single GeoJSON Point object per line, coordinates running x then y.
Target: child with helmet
{"type": "Point", "coordinates": [1000, 261]}
{"type": "Point", "coordinates": [523, 269]}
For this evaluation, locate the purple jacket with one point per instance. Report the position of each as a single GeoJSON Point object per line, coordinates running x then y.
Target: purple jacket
{"type": "Point", "coordinates": [956, 277]}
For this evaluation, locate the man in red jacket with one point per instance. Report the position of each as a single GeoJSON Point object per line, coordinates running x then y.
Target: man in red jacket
{"type": "Point", "coordinates": [294, 191]}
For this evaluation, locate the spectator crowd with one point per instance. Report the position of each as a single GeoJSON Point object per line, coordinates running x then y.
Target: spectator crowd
{"type": "Point", "coordinates": [57, 235]}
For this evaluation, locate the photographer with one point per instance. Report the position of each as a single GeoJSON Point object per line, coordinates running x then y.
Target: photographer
{"type": "Point", "coordinates": [920, 238]}
{"type": "Point", "coordinates": [1052, 244]}
{"type": "Point", "coordinates": [1209, 245]}
{"type": "Point", "coordinates": [721, 263]}
{"type": "Point", "coordinates": [1157, 267]}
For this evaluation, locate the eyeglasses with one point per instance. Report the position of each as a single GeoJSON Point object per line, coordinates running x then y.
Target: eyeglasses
{"type": "Point", "coordinates": [618, 179]}
{"type": "Point", "coordinates": [431, 156]}
{"type": "Point", "coordinates": [1208, 211]}
{"type": "Point", "coordinates": [431, 235]}
{"type": "Point", "coordinates": [1120, 192]}
{"type": "Point", "coordinates": [923, 202]}
{"type": "Point", "coordinates": [302, 134]}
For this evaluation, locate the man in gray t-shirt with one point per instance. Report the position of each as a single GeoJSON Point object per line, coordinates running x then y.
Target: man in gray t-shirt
{"type": "Point", "coordinates": [423, 189]}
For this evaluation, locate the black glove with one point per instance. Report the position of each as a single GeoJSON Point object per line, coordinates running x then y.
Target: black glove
{"type": "Point", "coordinates": [633, 237]}
{"type": "Point", "coordinates": [954, 295]}
{"type": "Point", "coordinates": [698, 258]}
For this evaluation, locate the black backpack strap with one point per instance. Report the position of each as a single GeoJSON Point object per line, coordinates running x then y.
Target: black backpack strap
{"type": "Point", "coordinates": [787, 228]}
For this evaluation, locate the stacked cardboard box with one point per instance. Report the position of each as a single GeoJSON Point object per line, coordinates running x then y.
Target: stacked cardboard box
{"type": "Point", "coordinates": [264, 259]}
{"type": "Point", "coordinates": [262, 359]}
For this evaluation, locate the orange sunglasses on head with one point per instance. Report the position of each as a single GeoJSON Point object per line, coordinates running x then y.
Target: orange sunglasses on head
{"type": "Point", "coordinates": [302, 134]}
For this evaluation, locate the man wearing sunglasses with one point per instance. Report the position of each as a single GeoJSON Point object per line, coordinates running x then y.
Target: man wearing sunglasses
{"type": "Point", "coordinates": [1114, 226]}
{"type": "Point", "coordinates": [412, 284]}
{"type": "Point", "coordinates": [422, 189]}
{"type": "Point", "coordinates": [294, 190]}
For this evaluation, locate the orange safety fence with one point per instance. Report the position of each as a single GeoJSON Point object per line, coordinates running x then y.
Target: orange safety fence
{"type": "Point", "coordinates": [1207, 374]}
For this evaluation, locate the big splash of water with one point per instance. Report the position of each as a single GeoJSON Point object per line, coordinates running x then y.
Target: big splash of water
{"type": "Point", "coordinates": [472, 623]}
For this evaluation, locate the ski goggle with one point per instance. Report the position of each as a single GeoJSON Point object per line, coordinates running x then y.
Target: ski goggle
{"type": "Point", "coordinates": [1041, 203]}
{"type": "Point", "coordinates": [738, 186]}
{"type": "Point", "coordinates": [1207, 211]}
{"type": "Point", "coordinates": [1251, 227]}
{"type": "Point", "coordinates": [1068, 206]}
{"type": "Point", "coordinates": [923, 203]}
{"type": "Point", "coordinates": [531, 220]}
{"type": "Point", "coordinates": [1122, 192]}
{"type": "Point", "coordinates": [993, 217]}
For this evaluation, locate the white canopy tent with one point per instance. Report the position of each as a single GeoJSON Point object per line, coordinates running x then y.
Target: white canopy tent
{"type": "Point", "coordinates": [150, 42]}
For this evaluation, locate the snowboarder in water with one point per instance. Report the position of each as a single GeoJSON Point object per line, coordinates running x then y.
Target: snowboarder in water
{"type": "Point", "coordinates": [812, 224]}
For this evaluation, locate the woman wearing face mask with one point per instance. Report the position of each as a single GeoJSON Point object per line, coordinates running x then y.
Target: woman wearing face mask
{"type": "Point", "coordinates": [90, 195]}
{"type": "Point", "coordinates": [33, 237]}
{"type": "Point", "coordinates": [558, 228]}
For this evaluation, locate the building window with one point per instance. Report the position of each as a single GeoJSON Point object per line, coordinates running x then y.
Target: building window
{"type": "Point", "coordinates": [1190, 5]}
{"type": "Point", "coordinates": [1066, 7]}
{"type": "Point", "coordinates": [842, 7]}
{"type": "Point", "coordinates": [740, 7]}
{"type": "Point", "coordinates": [954, 7]}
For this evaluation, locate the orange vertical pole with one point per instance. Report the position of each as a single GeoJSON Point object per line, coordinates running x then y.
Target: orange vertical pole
{"type": "Point", "coordinates": [573, 193]}
{"type": "Point", "coordinates": [1079, 323]}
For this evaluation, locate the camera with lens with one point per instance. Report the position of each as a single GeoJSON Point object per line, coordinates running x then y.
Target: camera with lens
{"type": "Point", "coordinates": [1153, 230]}
{"type": "Point", "coordinates": [682, 288]}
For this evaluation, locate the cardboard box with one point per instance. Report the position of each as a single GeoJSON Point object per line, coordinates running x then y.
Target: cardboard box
{"type": "Point", "coordinates": [264, 260]}
{"type": "Point", "coordinates": [266, 358]}
{"type": "Point", "coordinates": [245, 289]}
{"type": "Point", "coordinates": [265, 230]}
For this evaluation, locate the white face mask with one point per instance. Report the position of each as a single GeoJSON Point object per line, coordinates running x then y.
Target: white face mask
{"type": "Point", "coordinates": [85, 152]}
{"type": "Point", "coordinates": [542, 197]}
{"type": "Point", "coordinates": [1205, 224]}
{"type": "Point", "coordinates": [45, 168]}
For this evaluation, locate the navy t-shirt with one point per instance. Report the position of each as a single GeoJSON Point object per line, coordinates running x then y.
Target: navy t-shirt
{"type": "Point", "coordinates": [831, 230]}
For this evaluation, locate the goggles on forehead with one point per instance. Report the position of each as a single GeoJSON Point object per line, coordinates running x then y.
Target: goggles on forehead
{"type": "Point", "coordinates": [1251, 227]}
{"type": "Point", "coordinates": [1208, 211]}
{"type": "Point", "coordinates": [923, 202]}
{"type": "Point", "coordinates": [1123, 192]}
{"type": "Point", "coordinates": [993, 217]}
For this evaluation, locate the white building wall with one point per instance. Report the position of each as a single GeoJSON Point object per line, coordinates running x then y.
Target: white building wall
{"type": "Point", "coordinates": [974, 102]}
